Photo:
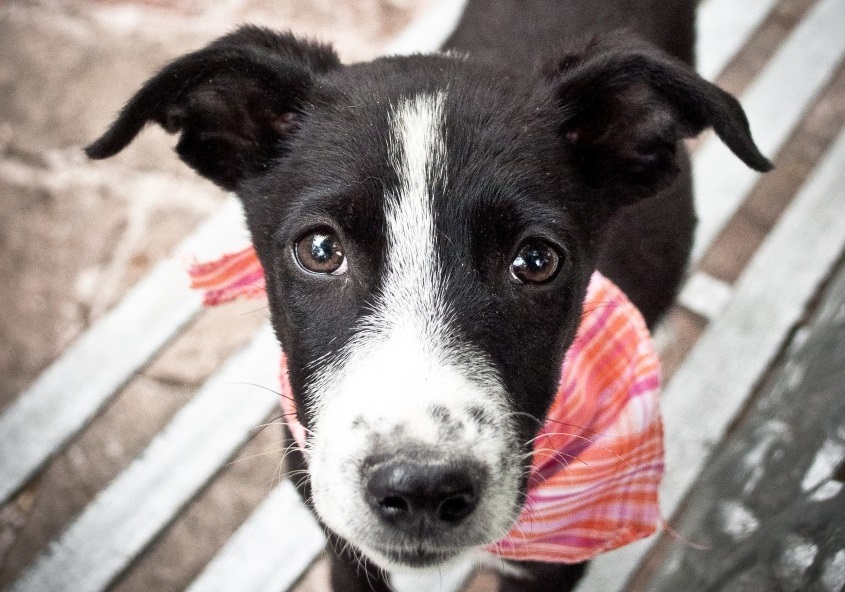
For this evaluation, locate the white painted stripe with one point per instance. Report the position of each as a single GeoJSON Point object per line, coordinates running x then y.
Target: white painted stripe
{"type": "Point", "coordinates": [775, 103]}
{"type": "Point", "coordinates": [705, 295]}
{"type": "Point", "coordinates": [270, 551]}
{"type": "Point", "coordinates": [737, 348]}
{"type": "Point", "coordinates": [427, 33]}
{"type": "Point", "coordinates": [145, 498]}
{"type": "Point", "coordinates": [70, 392]}
{"type": "Point", "coordinates": [724, 27]}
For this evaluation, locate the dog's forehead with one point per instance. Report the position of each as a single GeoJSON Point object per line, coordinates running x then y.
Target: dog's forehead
{"type": "Point", "coordinates": [488, 132]}
{"type": "Point", "coordinates": [482, 107]}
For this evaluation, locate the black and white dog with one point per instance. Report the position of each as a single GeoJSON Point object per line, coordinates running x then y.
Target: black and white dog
{"type": "Point", "coordinates": [428, 226]}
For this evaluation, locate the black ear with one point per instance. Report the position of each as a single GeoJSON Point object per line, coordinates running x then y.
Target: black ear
{"type": "Point", "coordinates": [625, 107]}
{"type": "Point", "coordinates": [235, 102]}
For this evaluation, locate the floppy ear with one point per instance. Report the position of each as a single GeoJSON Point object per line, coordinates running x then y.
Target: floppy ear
{"type": "Point", "coordinates": [235, 102]}
{"type": "Point", "coordinates": [625, 107]}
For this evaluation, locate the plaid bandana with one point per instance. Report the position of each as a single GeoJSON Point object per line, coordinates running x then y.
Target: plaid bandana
{"type": "Point", "coordinates": [598, 460]}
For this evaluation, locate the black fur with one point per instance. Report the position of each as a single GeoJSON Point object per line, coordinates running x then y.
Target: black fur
{"type": "Point", "coordinates": [559, 125]}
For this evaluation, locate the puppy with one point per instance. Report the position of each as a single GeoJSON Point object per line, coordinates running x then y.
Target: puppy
{"type": "Point", "coordinates": [428, 226]}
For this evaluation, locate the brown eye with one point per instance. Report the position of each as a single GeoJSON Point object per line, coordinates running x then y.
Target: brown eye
{"type": "Point", "coordinates": [320, 251]}
{"type": "Point", "coordinates": [536, 262]}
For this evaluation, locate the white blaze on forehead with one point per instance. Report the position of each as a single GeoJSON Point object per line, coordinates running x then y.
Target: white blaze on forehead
{"type": "Point", "coordinates": [411, 299]}
{"type": "Point", "coordinates": [407, 331]}
{"type": "Point", "coordinates": [406, 358]}
{"type": "Point", "coordinates": [405, 338]}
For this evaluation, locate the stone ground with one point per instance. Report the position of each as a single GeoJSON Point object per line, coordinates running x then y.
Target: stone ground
{"type": "Point", "coordinates": [75, 235]}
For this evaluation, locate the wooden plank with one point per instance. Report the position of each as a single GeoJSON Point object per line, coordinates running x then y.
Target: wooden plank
{"type": "Point", "coordinates": [775, 102]}
{"type": "Point", "coordinates": [69, 393]}
{"type": "Point", "coordinates": [724, 27]}
{"type": "Point", "coordinates": [270, 551]}
{"type": "Point", "coordinates": [139, 503]}
{"type": "Point", "coordinates": [705, 295]}
{"type": "Point", "coordinates": [277, 543]}
{"type": "Point", "coordinates": [738, 347]}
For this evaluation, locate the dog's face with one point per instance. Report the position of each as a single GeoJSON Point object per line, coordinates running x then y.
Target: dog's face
{"type": "Point", "coordinates": [425, 276]}
{"type": "Point", "coordinates": [425, 280]}
{"type": "Point", "coordinates": [427, 227]}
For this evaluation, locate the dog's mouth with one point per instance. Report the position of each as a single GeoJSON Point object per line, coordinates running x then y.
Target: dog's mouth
{"type": "Point", "coordinates": [418, 558]}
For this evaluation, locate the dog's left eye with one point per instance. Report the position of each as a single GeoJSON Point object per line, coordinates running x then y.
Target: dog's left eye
{"type": "Point", "coordinates": [536, 262]}
{"type": "Point", "coordinates": [320, 251]}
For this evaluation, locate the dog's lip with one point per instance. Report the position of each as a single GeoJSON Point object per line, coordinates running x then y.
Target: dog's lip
{"type": "Point", "coordinates": [419, 557]}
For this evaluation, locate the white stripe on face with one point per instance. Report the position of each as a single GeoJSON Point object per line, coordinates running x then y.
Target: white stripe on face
{"type": "Point", "coordinates": [411, 300]}
{"type": "Point", "coordinates": [410, 312]}
{"type": "Point", "coordinates": [404, 360]}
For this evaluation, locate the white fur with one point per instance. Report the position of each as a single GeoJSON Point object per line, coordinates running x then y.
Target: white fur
{"type": "Point", "coordinates": [404, 359]}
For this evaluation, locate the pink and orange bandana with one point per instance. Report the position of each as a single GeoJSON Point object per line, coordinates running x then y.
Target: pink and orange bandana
{"type": "Point", "coordinates": [598, 459]}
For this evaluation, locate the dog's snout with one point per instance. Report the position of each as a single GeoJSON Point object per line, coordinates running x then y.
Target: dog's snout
{"type": "Point", "coordinates": [411, 494]}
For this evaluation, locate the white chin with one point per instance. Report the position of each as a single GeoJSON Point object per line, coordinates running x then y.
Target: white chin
{"type": "Point", "coordinates": [416, 565]}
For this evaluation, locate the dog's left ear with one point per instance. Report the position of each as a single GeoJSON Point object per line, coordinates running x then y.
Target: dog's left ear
{"type": "Point", "coordinates": [625, 107]}
{"type": "Point", "coordinates": [236, 103]}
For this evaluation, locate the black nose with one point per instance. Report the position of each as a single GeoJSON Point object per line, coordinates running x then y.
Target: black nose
{"type": "Point", "coordinates": [410, 494]}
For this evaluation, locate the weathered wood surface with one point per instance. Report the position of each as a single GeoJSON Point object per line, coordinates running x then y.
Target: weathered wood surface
{"type": "Point", "coordinates": [775, 102]}
{"type": "Point", "coordinates": [71, 391]}
{"type": "Point", "coordinates": [769, 507]}
{"type": "Point", "coordinates": [728, 25]}
{"type": "Point", "coordinates": [137, 505]}
{"type": "Point", "coordinates": [270, 550]}
{"type": "Point", "coordinates": [736, 349]}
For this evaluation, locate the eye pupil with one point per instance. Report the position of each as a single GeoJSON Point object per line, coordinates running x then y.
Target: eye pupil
{"type": "Point", "coordinates": [320, 251]}
{"type": "Point", "coordinates": [536, 262]}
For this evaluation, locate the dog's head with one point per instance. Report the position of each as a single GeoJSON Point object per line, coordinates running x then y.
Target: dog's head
{"type": "Point", "coordinates": [428, 226]}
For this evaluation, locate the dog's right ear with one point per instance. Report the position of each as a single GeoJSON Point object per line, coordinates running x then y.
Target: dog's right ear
{"type": "Point", "coordinates": [236, 102]}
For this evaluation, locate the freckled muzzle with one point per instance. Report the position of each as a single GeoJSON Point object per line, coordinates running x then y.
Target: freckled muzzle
{"type": "Point", "coordinates": [419, 484]}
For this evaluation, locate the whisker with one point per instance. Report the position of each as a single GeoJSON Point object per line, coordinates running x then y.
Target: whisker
{"type": "Point", "coordinates": [563, 456]}
{"type": "Point", "coordinates": [261, 386]}
{"type": "Point", "coordinates": [563, 423]}
{"type": "Point", "coordinates": [251, 456]}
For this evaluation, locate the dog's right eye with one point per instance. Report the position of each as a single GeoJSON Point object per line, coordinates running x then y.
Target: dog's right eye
{"type": "Point", "coordinates": [536, 262]}
{"type": "Point", "coordinates": [320, 251]}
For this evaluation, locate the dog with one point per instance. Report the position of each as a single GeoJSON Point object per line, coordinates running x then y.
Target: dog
{"type": "Point", "coordinates": [428, 226]}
